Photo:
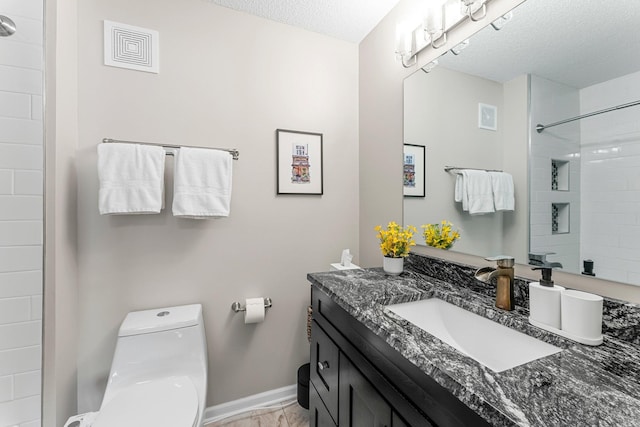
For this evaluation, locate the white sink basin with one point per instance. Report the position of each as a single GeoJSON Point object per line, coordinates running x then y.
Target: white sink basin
{"type": "Point", "coordinates": [495, 346]}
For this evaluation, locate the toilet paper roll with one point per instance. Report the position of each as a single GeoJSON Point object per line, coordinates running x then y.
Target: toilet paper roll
{"type": "Point", "coordinates": [254, 310]}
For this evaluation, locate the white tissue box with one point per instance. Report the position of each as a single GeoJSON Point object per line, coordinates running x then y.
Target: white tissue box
{"type": "Point", "coordinates": [339, 267]}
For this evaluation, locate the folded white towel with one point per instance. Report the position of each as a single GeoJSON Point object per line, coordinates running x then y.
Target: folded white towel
{"type": "Point", "coordinates": [131, 178]}
{"type": "Point", "coordinates": [202, 183]}
{"type": "Point", "coordinates": [503, 192]}
{"type": "Point", "coordinates": [479, 194]}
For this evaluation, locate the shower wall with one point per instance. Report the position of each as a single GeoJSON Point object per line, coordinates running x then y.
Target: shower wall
{"type": "Point", "coordinates": [21, 207]}
{"type": "Point", "coordinates": [611, 179]}
{"type": "Point", "coordinates": [555, 173]}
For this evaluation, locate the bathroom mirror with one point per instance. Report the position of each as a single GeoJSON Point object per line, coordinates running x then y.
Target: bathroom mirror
{"type": "Point", "coordinates": [577, 184]}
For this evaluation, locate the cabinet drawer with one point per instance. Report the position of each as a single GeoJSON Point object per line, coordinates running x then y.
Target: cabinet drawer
{"type": "Point", "coordinates": [325, 358]}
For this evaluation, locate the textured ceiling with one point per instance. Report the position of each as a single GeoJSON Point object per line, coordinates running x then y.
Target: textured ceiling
{"type": "Point", "coordinates": [349, 20]}
{"type": "Point", "coordinates": [578, 43]}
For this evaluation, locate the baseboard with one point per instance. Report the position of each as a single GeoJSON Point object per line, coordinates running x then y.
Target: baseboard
{"type": "Point", "coordinates": [267, 398]}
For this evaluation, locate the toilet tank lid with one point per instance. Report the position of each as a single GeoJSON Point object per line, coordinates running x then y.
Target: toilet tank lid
{"type": "Point", "coordinates": [160, 319]}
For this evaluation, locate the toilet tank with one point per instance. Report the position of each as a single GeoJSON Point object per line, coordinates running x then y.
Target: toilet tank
{"type": "Point", "coordinates": [160, 343]}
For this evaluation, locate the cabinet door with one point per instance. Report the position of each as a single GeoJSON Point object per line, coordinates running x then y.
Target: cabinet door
{"type": "Point", "coordinates": [360, 403]}
{"type": "Point", "coordinates": [325, 368]}
{"type": "Point", "coordinates": [396, 421]}
{"type": "Point", "coordinates": [318, 414]}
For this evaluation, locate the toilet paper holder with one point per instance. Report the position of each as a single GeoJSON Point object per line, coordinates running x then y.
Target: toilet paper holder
{"type": "Point", "coordinates": [236, 306]}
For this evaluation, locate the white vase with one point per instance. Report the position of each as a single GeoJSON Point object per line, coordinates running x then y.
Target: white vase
{"type": "Point", "coordinates": [393, 266]}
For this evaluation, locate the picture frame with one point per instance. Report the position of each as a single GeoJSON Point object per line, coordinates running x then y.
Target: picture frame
{"type": "Point", "coordinates": [299, 168]}
{"type": "Point", "coordinates": [487, 116]}
{"type": "Point", "coordinates": [414, 171]}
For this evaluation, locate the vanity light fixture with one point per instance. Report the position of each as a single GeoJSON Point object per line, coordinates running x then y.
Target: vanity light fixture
{"type": "Point", "coordinates": [472, 7]}
{"type": "Point", "coordinates": [437, 20]}
{"type": "Point", "coordinates": [434, 26]}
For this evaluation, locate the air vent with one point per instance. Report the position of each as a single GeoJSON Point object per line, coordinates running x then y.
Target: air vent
{"type": "Point", "coordinates": [135, 48]}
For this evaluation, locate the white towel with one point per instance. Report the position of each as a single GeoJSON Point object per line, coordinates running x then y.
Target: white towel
{"type": "Point", "coordinates": [477, 192]}
{"type": "Point", "coordinates": [202, 183]}
{"type": "Point", "coordinates": [457, 194]}
{"type": "Point", "coordinates": [503, 193]}
{"type": "Point", "coordinates": [131, 178]}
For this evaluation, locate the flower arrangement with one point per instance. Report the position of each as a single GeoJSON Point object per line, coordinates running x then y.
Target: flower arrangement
{"type": "Point", "coordinates": [396, 241]}
{"type": "Point", "coordinates": [440, 235]}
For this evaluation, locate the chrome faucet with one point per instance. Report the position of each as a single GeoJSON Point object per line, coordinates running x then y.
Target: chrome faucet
{"type": "Point", "coordinates": [504, 275]}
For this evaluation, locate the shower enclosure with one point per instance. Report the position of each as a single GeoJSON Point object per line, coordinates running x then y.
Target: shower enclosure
{"type": "Point", "coordinates": [585, 176]}
{"type": "Point", "coordinates": [21, 211]}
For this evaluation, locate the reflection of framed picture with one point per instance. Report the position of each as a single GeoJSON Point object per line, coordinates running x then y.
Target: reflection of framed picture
{"type": "Point", "coordinates": [414, 181]}
{"type": "Point", "coordinates": [487, 116]}
{"type": "Point", "coordinates": [299, 157]}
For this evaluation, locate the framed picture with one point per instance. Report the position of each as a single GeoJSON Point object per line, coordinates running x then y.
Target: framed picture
{"type": "Point", "coordinates": [414, 176]}
{"type": "Point", "coordinates": [299, 162]}
{"type": "Point", "coordinates": [487, 116]}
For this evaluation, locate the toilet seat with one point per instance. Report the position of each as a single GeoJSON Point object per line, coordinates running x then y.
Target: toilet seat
{"type": "Point", "coordinates": [169, 402]}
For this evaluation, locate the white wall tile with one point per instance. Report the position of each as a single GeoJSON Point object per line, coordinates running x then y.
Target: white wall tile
{"type": "Point", "coordinates": [18, 335]}
{"type": "Point", "coordinates": [26, 384]}
{"type": "Point", "coordinates": [20, 411]}
{"type": "Point", "coordinates": [16, 105]}
{"type": "Point", "coordinates": [28, 182]}
{"type": "Point", "coordinates": [30, 31]}
{"type": "Point", "coordinates": [22, 283]}
{"type": "Point", "coordinates": [36, 307]}
{"type": "Point", "coordinates": [17, 156]}
{"type": "Point", "coordinates": [20, 258]}
{"type": "Point", "coordinates": [19, 360]}
{"type": "Point", "coordinates": [34, 423]}
{"type": "Point", "coordinates": [6, 388]}
{"type": "Point", "coordinates": [20, 233]}
{"type": "Point", "coordinates": [25, 8]}
{"type": "Point", "coordinates": [14, 310]}
{"type": "Point", "coordinates": [20, 54]}
{"type": "Point", "coordinates": [21, 131]}
{"type": "Point", "coordinates": [20, 80]}
{"type": "Point", "coordinates": [20, 208]}
{"type": "Point", "coordinates": [6, 181]}
{"type": "Point", "coordinates": [36, 108]}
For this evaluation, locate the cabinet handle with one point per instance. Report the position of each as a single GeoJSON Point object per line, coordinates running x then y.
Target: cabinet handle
{"type": "Point", "coordinates": [323, 365]}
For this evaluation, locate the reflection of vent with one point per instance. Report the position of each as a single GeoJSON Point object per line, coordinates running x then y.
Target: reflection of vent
{"type": "Point", "coordinates": [126, 46]}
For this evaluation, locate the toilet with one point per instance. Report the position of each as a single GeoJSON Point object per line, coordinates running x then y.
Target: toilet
{"type": "Point", "coordinates": [158, 375]}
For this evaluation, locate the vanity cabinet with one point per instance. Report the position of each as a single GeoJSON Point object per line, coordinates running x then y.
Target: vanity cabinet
{"type": "Point", "coordinates": [358, 380]}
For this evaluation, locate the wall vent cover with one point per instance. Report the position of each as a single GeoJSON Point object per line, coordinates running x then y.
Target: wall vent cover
{"type": "Point", "coordinates": [135, 48]}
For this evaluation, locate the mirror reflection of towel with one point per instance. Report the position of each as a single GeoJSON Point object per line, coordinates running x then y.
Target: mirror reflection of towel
{"type": "Point", "coordinates": [477, 191]}
{"type": "Point", "coordinates": [503, 191]}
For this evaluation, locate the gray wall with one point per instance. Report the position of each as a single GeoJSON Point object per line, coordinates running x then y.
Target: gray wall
{"type": "Point", "coordinates": [227, 79]}
{"type": "Point", "coordinates": [441, 113]}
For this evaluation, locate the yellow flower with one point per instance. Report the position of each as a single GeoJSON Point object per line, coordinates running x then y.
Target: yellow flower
{"type": "Point", "coordinates": [395, 241]}
{"type": "Point", "coordinates": [440, 235]}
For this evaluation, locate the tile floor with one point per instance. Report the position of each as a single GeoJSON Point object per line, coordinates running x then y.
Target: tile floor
{"type": "Point", "coordinates": [287, 415]}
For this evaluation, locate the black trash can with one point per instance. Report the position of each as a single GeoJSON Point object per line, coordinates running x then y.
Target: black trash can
{"type": "Point", "coordinates": [303, 385]}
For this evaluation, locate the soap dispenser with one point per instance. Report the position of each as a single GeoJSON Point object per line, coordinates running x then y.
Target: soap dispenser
{"type": "Point", "coordinates": [544, 296]}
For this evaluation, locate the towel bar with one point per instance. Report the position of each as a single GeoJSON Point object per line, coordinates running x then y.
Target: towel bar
{"type": "Point", "coordinates": [234, 152]}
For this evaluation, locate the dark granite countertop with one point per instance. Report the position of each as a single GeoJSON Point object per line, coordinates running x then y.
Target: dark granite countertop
{"type": "Point", "coordinates": [579, 386]}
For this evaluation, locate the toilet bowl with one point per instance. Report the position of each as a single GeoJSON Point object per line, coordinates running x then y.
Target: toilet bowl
{"type": "Point", "coordinates": [159, 371]}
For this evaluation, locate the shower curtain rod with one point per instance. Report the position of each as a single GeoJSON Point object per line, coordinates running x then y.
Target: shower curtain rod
{"type": "Point", "coordinates": [540, 127]}
{"type": "Point", "coordinates": [234, 152]}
